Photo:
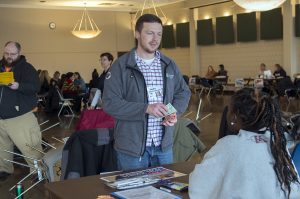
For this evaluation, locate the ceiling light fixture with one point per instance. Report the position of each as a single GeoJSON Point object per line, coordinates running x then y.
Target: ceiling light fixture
{"type": "Point", "coordinates": [150, 6]}
{"type": "Point", "coordinates": [86, 28]}
{"type": "Point", "coordinates": [259, 5]}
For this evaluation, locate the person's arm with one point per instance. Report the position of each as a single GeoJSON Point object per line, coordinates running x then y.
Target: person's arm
{"type": "Point", "coordinates": [30, 83]}
{"type": "Point", "coordinates": [206, 180]}
{"type": "Point", "coordinates": [113, 97]}
{"type": "Point", "coordinates": [182, 93]}
{"type": "Point", "coordinates": [96, 98]}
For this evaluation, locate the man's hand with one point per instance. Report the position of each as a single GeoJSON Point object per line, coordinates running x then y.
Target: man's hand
{"type": "Point", "coordinates": [157, 110]}
{"type": "Point", "coordinates": [170, 120]}
{"type": "Point", "coordinates": [14, 85]}
{"type": "Point", "coordinates": [90, 107]}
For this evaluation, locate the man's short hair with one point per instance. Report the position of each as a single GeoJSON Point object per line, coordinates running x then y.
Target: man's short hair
{"type": "Point", "coordinates": [109, 56]}
{"type": "Point", "coordinates": [146, 18]}
{"type": "Point", "coordinates": [17, 44]}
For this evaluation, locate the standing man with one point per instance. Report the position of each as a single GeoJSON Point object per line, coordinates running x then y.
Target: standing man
{"type": "Point", "coordinates": [136, 91]}
{"type": "Point", "coordinates": [18, 125]}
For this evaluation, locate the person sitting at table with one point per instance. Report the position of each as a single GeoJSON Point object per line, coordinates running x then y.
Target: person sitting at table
{"type": "Point", "coordinates": [44, 82]}
{"type": "Point", "coordinates": [254, 163]}
{"type": "Point", "coordinates": [211, 73]}
{"type": "Point", "coordinates": [279, 71]}
{"type": "Point", "coordinates": [222, 71]}
{"type": "Point", "coordinates": [79, 81]}
{"type": "Point", "coordinates": [262, 69]}
{"type": "Point", "coordinates": [55, 80]}
{"type": "Point", "coordinates": [70, 90]}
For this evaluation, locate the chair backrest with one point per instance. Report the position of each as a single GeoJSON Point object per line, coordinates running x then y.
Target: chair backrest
{"type": "Point", "coordinates": [239, 83]}
{"type": "Point", "coordinates": [186, 79]}
{"type": "Point", "coordinates": [291, 93]}
{"type": "Point", "coordinates": [60, 95]}
{"type": "Point", "coordinates": [222, 79]}
{"type": "Point", "coordinates": [296, 157]}
{"type": "Point", "coordinates": [297, 83]}
{"type": "Point", "coordinates": [205, 82]}
{"type": "Point", "coordinates": [258, 83]}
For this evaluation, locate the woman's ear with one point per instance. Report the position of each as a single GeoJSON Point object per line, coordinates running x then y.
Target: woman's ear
{"type": "Point", "coordinates": [233, 123]}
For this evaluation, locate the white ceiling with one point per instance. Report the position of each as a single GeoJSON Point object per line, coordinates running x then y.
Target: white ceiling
{"type": "Point", "coordinates": [112, 5]}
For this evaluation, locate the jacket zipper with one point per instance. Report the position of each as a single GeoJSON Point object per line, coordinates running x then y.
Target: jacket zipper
{"type": "Point", "coordinates": [135, 80]}
{"type": "Point", "coordinates": [165, 91]}
{"type": "Point", "coordinates": [146, 116]}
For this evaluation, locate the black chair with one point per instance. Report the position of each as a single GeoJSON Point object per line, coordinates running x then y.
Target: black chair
{"type": "Point", "coordinates": [88, 152]}
{"type": "Point", "coordinates": [186, 79]}
{"type": "Point", "coordinates": [206, 86]}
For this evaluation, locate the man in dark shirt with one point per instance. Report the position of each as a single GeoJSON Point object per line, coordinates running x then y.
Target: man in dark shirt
{"type": "Point", "coordinates": [18, 125]}
{"type": "Point", "coordinates": [106, 60]}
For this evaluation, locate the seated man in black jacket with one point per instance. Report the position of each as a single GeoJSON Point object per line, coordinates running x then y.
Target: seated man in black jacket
{"type": "Point", "coordinates": [18, 124]}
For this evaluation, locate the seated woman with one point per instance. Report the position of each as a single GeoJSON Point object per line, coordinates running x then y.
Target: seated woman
{"type": "Point", "coordinates": [211, 73]}
{"type": "Point", "coordinates": [69, 90]}
{"type": "Point", "coordinates": [79, 81]}
{"type": "Point", "coordinates": [254, 163]}
{"type": "Point", "coordinates": [279, 71]}
{"type": "Point", "coordinates": [45, 82]}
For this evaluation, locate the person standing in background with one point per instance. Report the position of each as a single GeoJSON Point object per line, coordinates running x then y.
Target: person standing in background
{"type": "Point", "coordinates": [106, 60]}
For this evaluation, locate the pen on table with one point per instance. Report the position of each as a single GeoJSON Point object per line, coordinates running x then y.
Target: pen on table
{"type": "Point", "coordinates": [165, 189]}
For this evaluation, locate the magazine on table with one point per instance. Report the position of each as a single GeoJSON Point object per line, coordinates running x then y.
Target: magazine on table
{"type": "Point", "coordinates": [140, 178]}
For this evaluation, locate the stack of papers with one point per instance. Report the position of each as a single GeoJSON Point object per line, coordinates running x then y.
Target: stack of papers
{"type": "Point", "coordinates": [144, 193]}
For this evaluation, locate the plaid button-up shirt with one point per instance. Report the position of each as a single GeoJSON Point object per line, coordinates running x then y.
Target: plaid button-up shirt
{"type": "Point", "coordinates": [154, 81]}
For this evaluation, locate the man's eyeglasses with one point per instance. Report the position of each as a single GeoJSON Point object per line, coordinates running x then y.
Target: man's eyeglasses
{"type": "Point", "coordinates": [10, 54]}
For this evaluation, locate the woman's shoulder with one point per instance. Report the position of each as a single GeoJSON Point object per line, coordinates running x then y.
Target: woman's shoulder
{"type": "Point", "coordinates": [232, 142]}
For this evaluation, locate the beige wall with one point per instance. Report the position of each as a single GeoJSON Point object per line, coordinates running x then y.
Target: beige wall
{"type": "Point", "coordinates": [177, 14]}
{"type": "Point", "coordinates": [240, 59]}
{"type": "Point", "coordinates": [58, 49]}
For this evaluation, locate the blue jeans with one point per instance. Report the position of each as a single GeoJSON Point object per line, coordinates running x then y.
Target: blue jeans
{"type": "Point", "coordinates": [153, 156]}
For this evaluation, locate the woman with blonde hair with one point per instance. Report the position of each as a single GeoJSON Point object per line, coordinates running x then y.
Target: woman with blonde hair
{"type": "Point", "coordinates": [211, 73]}
{"type": "Point", "coordinates": [44, 82]}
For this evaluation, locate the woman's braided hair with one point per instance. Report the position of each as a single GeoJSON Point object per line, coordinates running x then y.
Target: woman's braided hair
{"type": "Point", "coordinates": [264, 113]}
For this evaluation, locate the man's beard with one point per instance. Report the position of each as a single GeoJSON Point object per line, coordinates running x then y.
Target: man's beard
{"type": "Point", "coordinates": [9, 64]}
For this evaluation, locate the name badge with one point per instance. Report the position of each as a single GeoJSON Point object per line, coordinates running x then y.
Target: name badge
{"type": "Point", "coordinates": [155, 92]}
